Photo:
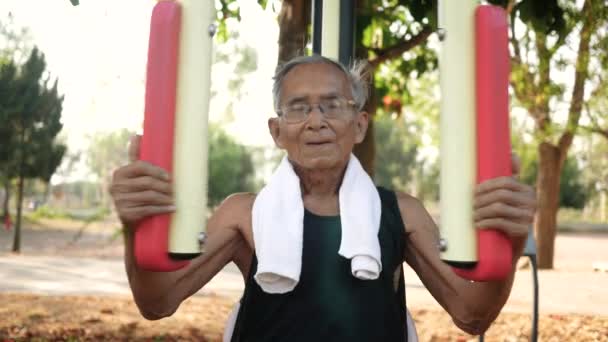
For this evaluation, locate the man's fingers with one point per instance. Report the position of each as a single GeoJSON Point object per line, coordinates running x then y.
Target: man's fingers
{"type": "Point", "coordinates": [142, 168]}
{"type": "Point", "coordinates": [123, 186]}
{"type": "Point", "coordinates": [500, 183]}
{"type": "Point", "coordinates": [511, 228]}
{"type": "Point", "coordinates": [136, 214]}
{"type": "Point", "coordinates": [507, 196]}
{"type": "Point", "coordinates": [141, 198]}
{"type": "Point", "coordinates": [134, 144]}
{"type": "Point", "coordinates": [502, 210]}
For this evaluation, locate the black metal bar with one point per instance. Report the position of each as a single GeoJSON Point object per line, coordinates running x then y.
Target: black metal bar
{"type": "Point", "coordinates": [347, 31]}
{"type": "Point", "coordinates": [534, 335]}
{"type": "Point", "coordinates": [317, 25]}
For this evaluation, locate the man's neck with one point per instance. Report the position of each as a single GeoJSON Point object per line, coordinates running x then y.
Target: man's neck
{"type": "Point", "coordinates": [320, 188]}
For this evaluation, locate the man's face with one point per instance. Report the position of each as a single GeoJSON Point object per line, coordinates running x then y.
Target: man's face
{"type": "Point", "coordinates": [317, 142]}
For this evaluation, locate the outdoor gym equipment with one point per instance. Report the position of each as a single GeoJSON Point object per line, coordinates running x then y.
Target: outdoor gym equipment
{"type": "Point", "coordinates": [475, 141]}
{"type": "Point", "coordinates": [175, 129]}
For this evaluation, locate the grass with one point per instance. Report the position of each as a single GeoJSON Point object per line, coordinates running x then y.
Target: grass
{"type": "Point", "coordinates": [51, 213]}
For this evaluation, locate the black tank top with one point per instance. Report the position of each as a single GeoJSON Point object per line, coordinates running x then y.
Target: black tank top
{"type": "Point", "coordinates": [329, 303]}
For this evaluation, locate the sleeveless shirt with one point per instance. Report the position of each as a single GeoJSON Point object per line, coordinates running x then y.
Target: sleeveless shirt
{"type": "Point", "coordinates": [329, 303]}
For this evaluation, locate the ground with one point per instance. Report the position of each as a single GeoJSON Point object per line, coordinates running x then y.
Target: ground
{"type": "Point", "coordinates": [115, 318]}
{"type": "Point", "coordinates": [580, 314]}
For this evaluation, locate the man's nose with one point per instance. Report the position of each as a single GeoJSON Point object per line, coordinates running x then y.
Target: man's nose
{"type": "Point", "coordinates": [316, 119]}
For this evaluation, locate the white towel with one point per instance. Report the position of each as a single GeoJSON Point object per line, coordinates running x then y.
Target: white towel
{"type": "Point", "coordinates": [278, 224]}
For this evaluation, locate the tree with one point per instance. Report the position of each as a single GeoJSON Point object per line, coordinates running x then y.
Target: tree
{"type": "Point", "coordinates": [596, 158]}
{"type": "Point", "coordinates": [573, 191]}
{"type": "Point", "coordinates": [106, 153]}
{"type": "Point", "coordinates": [8, 76]}
{"type": "Point", "coordinates": [30, 112]}
{"type": "Point", "coordinates": [395, 153]}
{"type": "Point", "coordinates": [294, 20]}
{"type": "Point", "coordinates": [230, 166]}
{"type": "Point", "coordinates": [539, 50]}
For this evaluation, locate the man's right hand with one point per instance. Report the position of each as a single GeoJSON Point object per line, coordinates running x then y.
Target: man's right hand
{"type": "Point", "coordinates": [140, 189]}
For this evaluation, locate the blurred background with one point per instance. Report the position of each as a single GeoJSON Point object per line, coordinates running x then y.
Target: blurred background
{"type": "Point", "coordinates": [72, 81]}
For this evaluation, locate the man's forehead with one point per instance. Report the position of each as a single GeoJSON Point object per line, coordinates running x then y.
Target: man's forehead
{"type": "Point", "coordinates": [314, 79]}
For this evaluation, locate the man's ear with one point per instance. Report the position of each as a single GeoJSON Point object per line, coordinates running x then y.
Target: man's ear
{"type": "Point", "coordinates": [275, 131]}
{"type": "Point", "coordinates": [361, 124]}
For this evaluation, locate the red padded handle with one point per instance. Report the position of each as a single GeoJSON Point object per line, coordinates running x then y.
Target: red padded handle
{"type": "Point", "coordinates": [152, 234]}
{"type": "Point", "coordinates": [492, 68]}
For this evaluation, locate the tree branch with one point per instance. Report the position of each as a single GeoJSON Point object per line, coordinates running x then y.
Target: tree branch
{"type": "Point", "coordinates": [597, 130]}
{"type": "Point", "coordinates": [510, 6]}
{"type": "Point", "coordinates": [580, 76]}
{"type": "Point", "coordinates": [525, 88]}
{"type": "Point", "coordinates": [398, 49]}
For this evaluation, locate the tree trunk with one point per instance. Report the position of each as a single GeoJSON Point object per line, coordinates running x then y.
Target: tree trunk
{"type": "Point", "coordinates": [294, 19]}
{"type": "Point", "coordinates": [7, 189]}
{"type": "Point", "coordinates": [19, 203]}
{"type": "Point", "coordinates": [17, 236]}
{"type": "Point", "coordinates": [547, 185]}
{"type": "Point", "coordinates": [46, 196]}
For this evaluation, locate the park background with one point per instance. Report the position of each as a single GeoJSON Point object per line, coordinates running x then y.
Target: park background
{"type": "Point", "coordinates": [72, 82]}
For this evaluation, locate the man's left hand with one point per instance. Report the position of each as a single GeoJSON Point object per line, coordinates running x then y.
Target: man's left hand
{"type": "Point", "coordinates": [505, 204]}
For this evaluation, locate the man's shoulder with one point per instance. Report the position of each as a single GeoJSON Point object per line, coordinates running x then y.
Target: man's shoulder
{"type": "Point", "coordinates": [235, 212]}
{"type": "Point", "coordinates": [240, 200]}
{"type": "Point", "coordinates": [412, 210]}
{"type": "Point", "coordinates": [407, 203]}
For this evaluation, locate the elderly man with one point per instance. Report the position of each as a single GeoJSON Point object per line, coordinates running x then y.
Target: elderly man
{"type": "Point", "coordinates": [320, 119]}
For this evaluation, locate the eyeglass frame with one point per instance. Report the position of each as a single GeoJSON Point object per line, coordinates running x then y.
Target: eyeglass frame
{"type": "Point", "coordinates": [311, 106]}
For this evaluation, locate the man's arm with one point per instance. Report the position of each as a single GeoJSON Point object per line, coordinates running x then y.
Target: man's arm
{"type": "Point", "coordinates": [140, 189]}
{"type": "Point", "coordinates": [473, 306]}
{"type": "Point", "coordinates": [159, 294]}
{"type": "Point", "coordinates": [502, 203]}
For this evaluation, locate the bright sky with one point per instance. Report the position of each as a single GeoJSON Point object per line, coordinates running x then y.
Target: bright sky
{"type": "Point", "coordinates": [98, 52]}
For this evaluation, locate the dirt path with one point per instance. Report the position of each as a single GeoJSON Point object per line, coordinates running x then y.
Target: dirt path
{"type": "Point", "coordinates": [202, 318]}
{"type": "Point", "coordinates": [53, 264]}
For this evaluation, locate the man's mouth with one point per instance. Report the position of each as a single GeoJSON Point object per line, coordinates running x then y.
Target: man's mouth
{"type": "Point", "coordinates": [317, 143]}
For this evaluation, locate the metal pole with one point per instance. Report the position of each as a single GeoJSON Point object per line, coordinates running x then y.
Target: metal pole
{"type": "Point", "coordinates": [347, 31]}
{"type": "Point", "coordinates": [534, 335]}
{"type": "Point", "coordinates": [317, 25]}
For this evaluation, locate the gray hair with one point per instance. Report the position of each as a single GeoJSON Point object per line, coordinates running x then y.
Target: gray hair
{"type": "Point", "coordinates": [356, 76]}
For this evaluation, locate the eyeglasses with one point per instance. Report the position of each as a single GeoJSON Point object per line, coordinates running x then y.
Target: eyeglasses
{"type": "Point", "coordinates": [335, 108]}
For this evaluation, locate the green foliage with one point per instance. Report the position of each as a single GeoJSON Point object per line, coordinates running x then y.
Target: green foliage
{"type": "Point", "coordinates": [230, 166]}
{"type": "Point", "coordinates": [544, 16]}
{"type": "Point", "coordinates": [107, 152]}
{"type": "Point", "coordinates": [30, 113]}
{"type": "Point", "coordinates": [81, 194]}
{"type": "Point", "coordinates": [54, 213]}
{"type": "Point", "coordinates": [384, 27]}
{"type": "Point", "coordinates": [229, 10]}
{"type": "Point", "coordinates": [46, 212]}
{"type": "Point", "coordinates": [573, 192]}
{"type": "Point", "coordinates": [395, 153]}
{"type": "Point", "coordinates": [575, 186]}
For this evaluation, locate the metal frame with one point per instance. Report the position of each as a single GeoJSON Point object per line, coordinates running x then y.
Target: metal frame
{"type": "Point", "coordinates": [346, 25]}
